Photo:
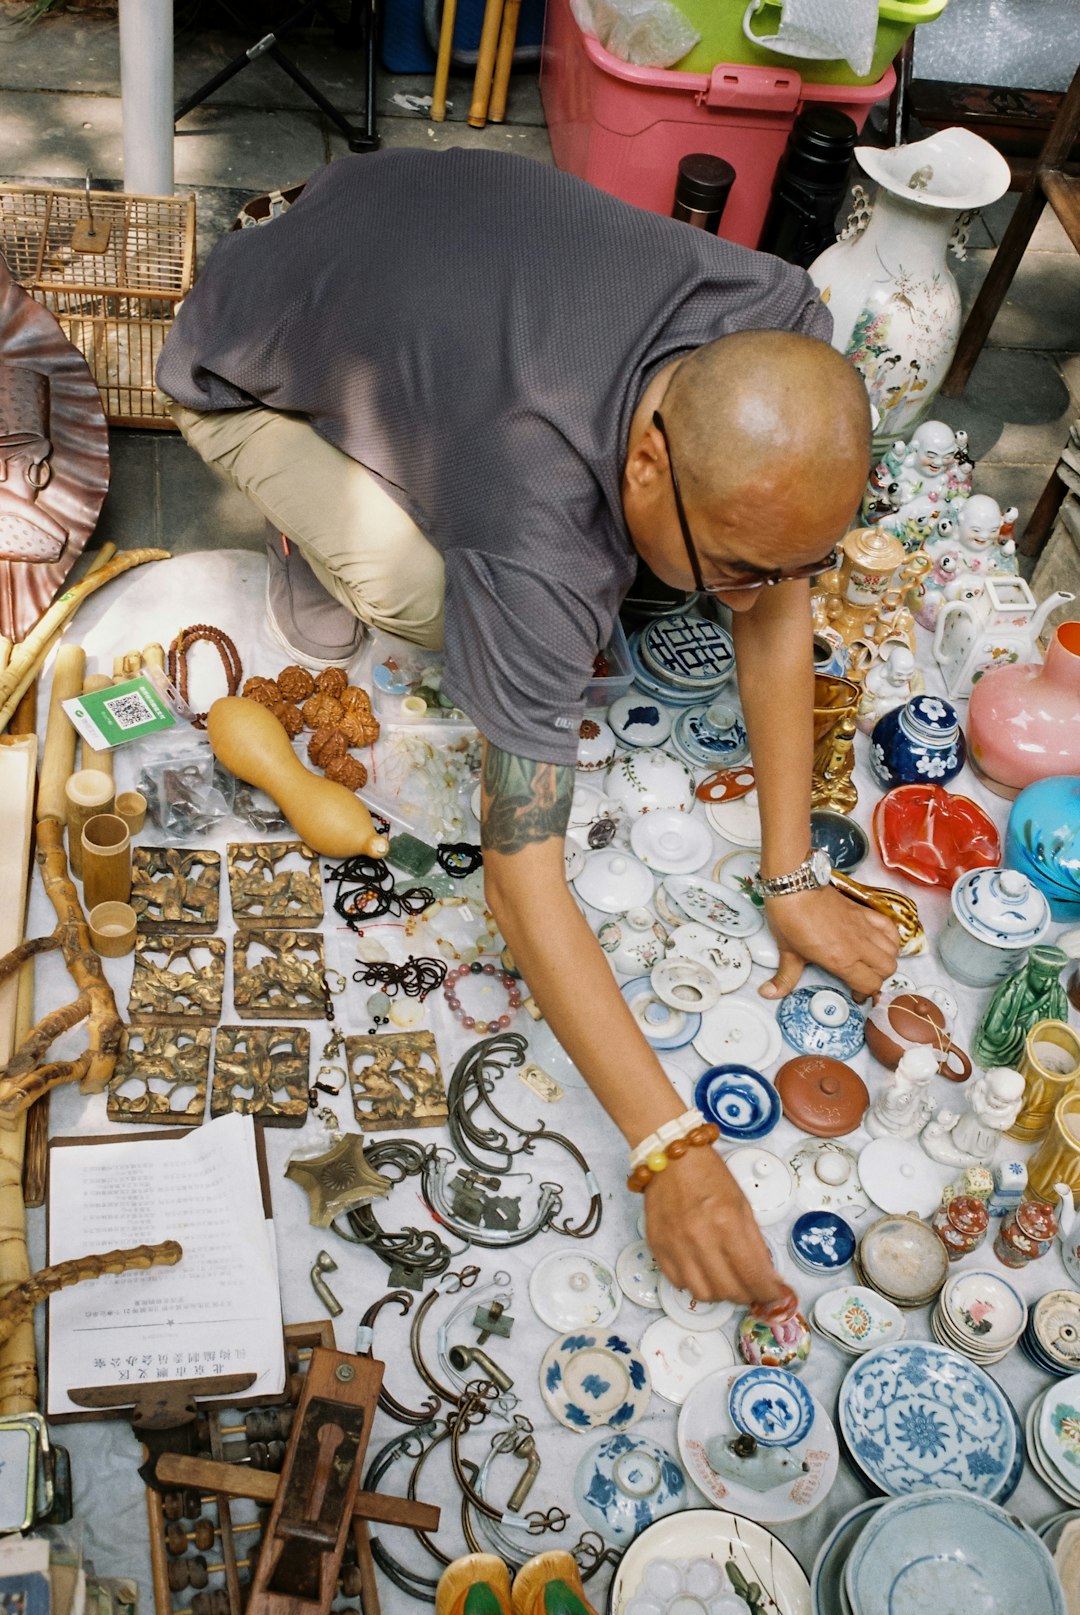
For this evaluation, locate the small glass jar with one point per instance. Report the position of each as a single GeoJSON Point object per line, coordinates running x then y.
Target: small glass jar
{"type": "Point", "coordinates": [961, 1225]}
{"type": "Point", "coordinates": [1026, 1233]}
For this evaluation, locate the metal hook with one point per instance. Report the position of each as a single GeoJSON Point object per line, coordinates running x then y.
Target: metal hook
{"type": "Point", "coordinates": [324, 1263]}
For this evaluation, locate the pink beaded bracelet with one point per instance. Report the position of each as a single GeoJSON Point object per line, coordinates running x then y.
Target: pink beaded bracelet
{"type": "Point", "coordinates": [478, 968]}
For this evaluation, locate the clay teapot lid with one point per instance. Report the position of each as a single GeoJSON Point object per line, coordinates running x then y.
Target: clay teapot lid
{"type": "Point", "coordinates": [822, 1096]}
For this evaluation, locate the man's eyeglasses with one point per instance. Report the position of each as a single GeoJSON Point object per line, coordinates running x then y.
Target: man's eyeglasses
{"type": "Point", "coordinates": [756, 580]}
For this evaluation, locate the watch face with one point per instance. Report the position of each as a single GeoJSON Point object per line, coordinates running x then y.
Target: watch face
{"type": "Point", "coordinates": [820, 867]}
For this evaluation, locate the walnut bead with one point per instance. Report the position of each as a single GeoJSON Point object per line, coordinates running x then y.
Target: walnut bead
{"type": "Point", "coordinates": [264, 691]}
{"type": "Point", "coordinates": [332, 681]}
{"type": "Point", "coordinates": [326, 745]}
{"type": "Point", "coordinates": [354, 699]}
{"type": "Point", "coordinates": [295, 683]}
{"type": "Point", "coordinates": [322, 710]}
{"type": "Point", "coordinates": [289, 716]}
{"type": "Point", "coordinates": [348, 772]}
{"type": "Point", "coordinates": [360, 729]}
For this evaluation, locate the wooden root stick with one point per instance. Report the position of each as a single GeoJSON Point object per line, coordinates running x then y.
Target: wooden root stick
{"type": "Point", "coordinates": [21, 1299]}
{"type": "Point", "coordinates": [26, 1077]}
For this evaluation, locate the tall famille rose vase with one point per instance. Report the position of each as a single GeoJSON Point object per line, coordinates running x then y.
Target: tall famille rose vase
{"type": "Point", "coordinates": [1024, 721]}
{"type": "Point", "coordinates": [892, 296]}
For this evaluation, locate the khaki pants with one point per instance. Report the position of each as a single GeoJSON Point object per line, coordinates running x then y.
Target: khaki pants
{"type": "Point", "coordinates": [360, 544]}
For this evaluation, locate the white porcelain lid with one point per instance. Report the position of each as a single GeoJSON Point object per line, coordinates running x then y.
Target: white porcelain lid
{"type": "Point", "coordinates": [764, 1179]}
{"type": "Point", "coordinates": [648, 779]}
{"type": "Point", "coordinates": [1002, 907]}
{"type": "Point", "coordinates": [614, 881]}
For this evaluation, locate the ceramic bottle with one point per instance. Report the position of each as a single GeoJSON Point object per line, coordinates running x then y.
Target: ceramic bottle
{"type": "Point", "coordinates": [1024, 721]}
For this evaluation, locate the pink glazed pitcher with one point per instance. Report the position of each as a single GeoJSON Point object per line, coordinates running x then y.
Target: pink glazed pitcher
{"type": "Point", "coordinates": [1024, 721]}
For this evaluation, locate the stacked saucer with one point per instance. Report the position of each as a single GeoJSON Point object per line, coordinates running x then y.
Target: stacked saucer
{"type": "Point", "coordinates": [980, 1314]}
{"type": "Point", "coordinates": [903, 1260]}
{"type": "Point", "coordinates": [1053, 1438]}
{"type": "Point", "coordinates": [821, 1242]}
{"type": "Point", "coordinates": [1052, 1338]}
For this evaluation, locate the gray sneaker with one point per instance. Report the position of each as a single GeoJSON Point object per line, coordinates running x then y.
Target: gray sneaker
{"type": "Point", "coordinates": [309, 624]}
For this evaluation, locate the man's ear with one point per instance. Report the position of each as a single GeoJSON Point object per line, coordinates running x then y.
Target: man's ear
{"type": "Point", "coordinates": [646, 460]}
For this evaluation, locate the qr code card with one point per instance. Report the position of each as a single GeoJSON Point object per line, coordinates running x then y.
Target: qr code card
{"type": "Point", "coordinates": [123, 712]}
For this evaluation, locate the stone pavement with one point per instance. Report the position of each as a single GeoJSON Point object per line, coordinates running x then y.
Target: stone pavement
{"type": "Point", "coordinates": [60, 116]}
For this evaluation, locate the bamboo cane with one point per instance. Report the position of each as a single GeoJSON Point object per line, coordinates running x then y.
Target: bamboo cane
{"type": "Point", "coordinates": [442, 62]}
{"type": "Point", "coordinates": [5, 651]}
{"type": "Point", "coordinates": [504, 60]}
{"type": "Point", "coordinates": [91, 758]}
{"type": "Point", "coordinates": [19, 1300]}
{"type": "Point", "coordinates": [28, 655]}
{"type": "Point", "coordinates": [61, 737]}
{"type": "Point", "coordinates": [485, 63]}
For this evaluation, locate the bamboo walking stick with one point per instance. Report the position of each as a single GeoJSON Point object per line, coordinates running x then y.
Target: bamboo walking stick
{"type": "Point", "coordinates": [442, 62]}
{"type": "Point", "coordinates": [504, 61]}
{"type": "Point", "coordinates": [19, 1301]}
{"type": "Point", "coordinates": [485, 63]}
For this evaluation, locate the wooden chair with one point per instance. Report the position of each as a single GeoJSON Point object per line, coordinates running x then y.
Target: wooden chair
{"type": "Point", "coordinates": [1048, 182]}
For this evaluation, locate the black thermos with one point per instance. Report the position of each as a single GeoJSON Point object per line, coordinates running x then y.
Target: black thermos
{"type": "Point", "coordinates": [702, 189]}
{"type": "Point", "coordinates": [810, 186]}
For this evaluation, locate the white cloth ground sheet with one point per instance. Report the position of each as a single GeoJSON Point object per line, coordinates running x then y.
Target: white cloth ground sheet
{"type": "Point", "coordinates": [226, 588]}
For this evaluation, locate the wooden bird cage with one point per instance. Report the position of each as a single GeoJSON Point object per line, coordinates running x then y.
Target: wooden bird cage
{"type": "Point", "coordinates": [113, 269]}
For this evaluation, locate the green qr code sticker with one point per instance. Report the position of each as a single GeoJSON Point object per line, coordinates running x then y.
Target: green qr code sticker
{"type": "Point", "coordinates": [123, 712]}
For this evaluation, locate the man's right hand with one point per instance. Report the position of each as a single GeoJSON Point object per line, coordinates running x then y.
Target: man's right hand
{"type": "Point", "coordinates": [702, 1232]}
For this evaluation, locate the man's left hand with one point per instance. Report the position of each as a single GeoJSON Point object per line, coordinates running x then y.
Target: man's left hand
{"type": "Point", "coordinates": [825, 928]}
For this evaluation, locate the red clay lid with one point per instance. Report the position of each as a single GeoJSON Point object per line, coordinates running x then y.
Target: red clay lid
{"type": "Point", "coordinates": [824, 1097]}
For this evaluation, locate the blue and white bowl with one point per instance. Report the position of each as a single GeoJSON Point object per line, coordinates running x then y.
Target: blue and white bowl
{"type": "Point", "coordinates": [624, 1483]}
{"type": "Point", "coordinates": [589, 1380]}
{"type": "Point", "coordinates": [917, 743]}
{"type": "Point", "coordinates": [821, 1020]}
{"type": "Point", "coordinates": [711, 737]}
{"type": "Point", "coordinates": [771, 1405]}
{"type": "Point", "coordinates": [739, 1100]}
{"type": "Point", "coordinates": [821, 1242]}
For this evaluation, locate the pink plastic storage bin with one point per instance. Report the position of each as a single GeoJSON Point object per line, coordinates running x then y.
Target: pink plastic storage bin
{"type": "Point", "coordinates": [625, 128]}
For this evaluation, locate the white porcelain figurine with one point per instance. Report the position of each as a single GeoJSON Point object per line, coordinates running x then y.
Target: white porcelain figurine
{"type": "Point", "coordinates": [971, 1138]}
{"type": "Point", "coordinates": [889, 682]}
{"type": "Point", "coordinates": [903, 1106]}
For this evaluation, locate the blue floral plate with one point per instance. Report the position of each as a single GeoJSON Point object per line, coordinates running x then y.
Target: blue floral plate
{"type": "Point", "coordinates": [739, 1100]}
{"type": "Point", "coordinates": [915, 1414]}
{"type": "Point", "coordinates": [591, 1380]}
{"type": "Point", "coordinates": [821, 1242]}
{"type": "Point", "coordinates": [771, 1405]}
{"type": "Point", "coordinates": [624, 1483]}
{"type": "Point", "coordinates": [821, 1020]}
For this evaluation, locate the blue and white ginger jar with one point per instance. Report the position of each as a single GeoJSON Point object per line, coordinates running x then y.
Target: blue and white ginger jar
{"type": "Point", "coordinates": [917, 743]}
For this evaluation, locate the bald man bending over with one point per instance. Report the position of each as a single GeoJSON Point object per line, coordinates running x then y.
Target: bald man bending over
{"type": "Point", "coordinates": [471, 391]}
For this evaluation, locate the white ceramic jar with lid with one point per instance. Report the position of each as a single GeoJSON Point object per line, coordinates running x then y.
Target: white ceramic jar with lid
{"type": "Point", "coordinates": [997, 914]}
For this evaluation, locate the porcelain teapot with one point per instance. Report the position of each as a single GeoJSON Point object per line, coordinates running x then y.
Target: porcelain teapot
{"type": "Point", "coordinates": [997, 625]}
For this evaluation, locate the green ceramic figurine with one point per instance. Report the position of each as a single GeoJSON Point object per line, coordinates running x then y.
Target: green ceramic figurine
{"type": "Point", "coordinates": [1033, 994]}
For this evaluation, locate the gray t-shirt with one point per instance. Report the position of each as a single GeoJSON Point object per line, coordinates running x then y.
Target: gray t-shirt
{"type": "Point", "coordinates": [476, 329]}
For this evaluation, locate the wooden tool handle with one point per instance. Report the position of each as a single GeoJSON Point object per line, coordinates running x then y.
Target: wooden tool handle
{"type": "Point", "coordinates": [504, 61]}
{"type": "Point", "coordinates": [233, 1480]}
{"type": "Point", "coordinates": [58, 758]}
{"type": "Point", "coordinates": [485, 63]}
{"type": "Point", "coordinates": [442, 62]}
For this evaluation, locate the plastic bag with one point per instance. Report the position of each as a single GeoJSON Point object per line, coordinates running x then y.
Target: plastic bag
{"type": "Point", "coordinates": [647, 33]}
{"type": "Point", "coordinates": [187, 791]}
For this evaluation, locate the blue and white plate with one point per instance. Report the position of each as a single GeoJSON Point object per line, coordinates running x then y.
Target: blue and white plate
{"type": "Point", "coordinates": [821, 1020]}
{"type": "Point", "coordinates": [949, 1550]}
{"type": "Point", "coordinates": [915, 1414]}
{"type": "Point", "coordinates": [821, 1242]}
{"type": "Point", "coordinates": [771, 1405]}
{"type": "Point", "coordinates": [657, 689]}
{"type": "Point", "coordinates": [662, 1026]}
{"type": "Point", "coordinates": [624, 1483]}
{"type": "Point", "coordinates": [589, 1380]}
{"type": "Point", "coordinates": [827, 1577]}
{"type": "Point", "coordinates": [637, 721]}
{"type": "Point", "coordinates": [711, 737]}
{"type": "Point", "coordinates": [739, 1100]}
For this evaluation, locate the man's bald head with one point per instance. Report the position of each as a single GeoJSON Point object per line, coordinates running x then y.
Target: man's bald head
{"type": "Point", "coordinates": [769, 418]}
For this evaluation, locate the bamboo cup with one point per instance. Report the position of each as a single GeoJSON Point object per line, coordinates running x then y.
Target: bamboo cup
{"type": "Point", "coordinates": [131, 807]}
{"type": "Point", "coordinates": [88, 792]}
{"type": "Point", "coordinates": [91, 758]}
{"type": "Point", "coordinates": [106, 854]}
{"type": "Point", "coordinates": [112, 929]}
{"type": "Point", "coordinates": [1050, 1067]}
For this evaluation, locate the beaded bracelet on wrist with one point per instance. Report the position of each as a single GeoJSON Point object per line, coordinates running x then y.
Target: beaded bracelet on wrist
{"type": "Point", "coordinates": [678, 1127]}
{"type": "Point", "coordinates": [659, 1160]}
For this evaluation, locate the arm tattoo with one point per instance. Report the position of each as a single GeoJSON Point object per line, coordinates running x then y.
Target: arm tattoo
{"type": "Point", "coordinates": [524, 801]}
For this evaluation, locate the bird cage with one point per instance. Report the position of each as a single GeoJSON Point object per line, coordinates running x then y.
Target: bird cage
{"type": "Point", "coordinates": [112, 268]}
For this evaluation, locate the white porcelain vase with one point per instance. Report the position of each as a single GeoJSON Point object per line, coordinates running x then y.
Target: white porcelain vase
{"type": "Point", "coordinates": [892, 296]}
